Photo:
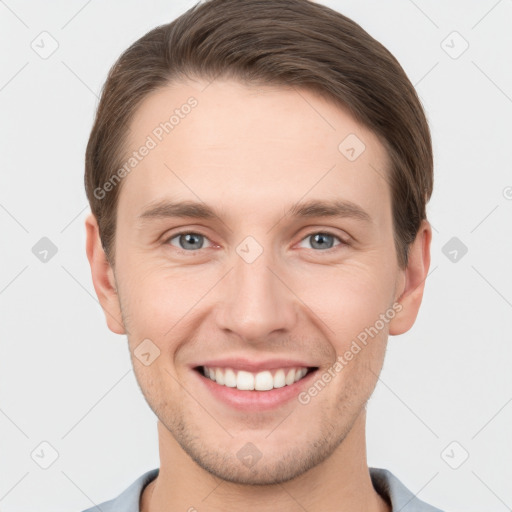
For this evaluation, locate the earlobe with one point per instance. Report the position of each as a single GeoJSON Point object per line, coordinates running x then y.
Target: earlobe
{"type": "Point", "coordinates": [103, 277]}
{"type": "Point", "coordinates": [415, 274]}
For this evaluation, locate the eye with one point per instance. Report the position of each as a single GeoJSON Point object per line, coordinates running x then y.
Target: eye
{"type": "Point", "coordinates": [322, 240]}
{"type": "Point", "coordinates": [188, 241]}
{"type": "Point", "coordinates": [191, 241]}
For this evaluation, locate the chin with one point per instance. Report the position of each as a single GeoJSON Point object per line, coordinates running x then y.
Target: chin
{"type": "Point", "coordinates": [249, 466]}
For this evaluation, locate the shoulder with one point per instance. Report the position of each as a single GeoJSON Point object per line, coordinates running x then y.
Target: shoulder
{"type": "Point", "coordinates": [400, 497]}
{"type": "Point", "coordinates": [128, 500]}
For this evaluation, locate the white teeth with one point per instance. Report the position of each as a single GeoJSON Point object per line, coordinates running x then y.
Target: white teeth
{"type": "Point", "coordinates": [244, 380]}
{"type": "Point", "coordinates": [300, 373]}
{"type": "Point", "coordinates": [230, 378]}
{"type": "Point", "coordinates": [219, 376]}
{"type": "Point", "coordinates": [290, 377]}
{"type": "Point", "coordinates": [279, 380]}
{"type": "Point", "coordinates": [261, 381]}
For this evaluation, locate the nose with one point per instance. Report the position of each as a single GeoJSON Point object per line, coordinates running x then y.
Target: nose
{"type": "Point", "coordinates": [256, 301]}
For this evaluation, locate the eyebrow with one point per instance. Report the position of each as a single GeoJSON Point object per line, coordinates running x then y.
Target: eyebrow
{"type": "Point", "coordinates": [310, 209]}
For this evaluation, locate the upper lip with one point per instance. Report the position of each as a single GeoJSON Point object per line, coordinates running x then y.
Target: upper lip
{"type": "Point", "coordinates": [239, 363]}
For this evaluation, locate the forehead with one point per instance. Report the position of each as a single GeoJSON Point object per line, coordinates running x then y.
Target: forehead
{"type": "Point", "coordinates": [252, 148]}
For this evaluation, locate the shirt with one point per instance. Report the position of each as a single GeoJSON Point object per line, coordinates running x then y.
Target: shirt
{"type": "Point", "coordinates": [384, 482]}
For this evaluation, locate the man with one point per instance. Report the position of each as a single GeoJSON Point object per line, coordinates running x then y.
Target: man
{"type": "Point", "coordinates": [258, 173]}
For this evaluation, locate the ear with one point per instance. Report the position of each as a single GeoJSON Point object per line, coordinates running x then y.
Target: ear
{"type": "Point", "coordinates": [412, 281]}
{"type": "Point", "coordinates": [103, 277]}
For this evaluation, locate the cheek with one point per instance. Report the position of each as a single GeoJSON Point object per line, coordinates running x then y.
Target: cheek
{"type": "Point", "coordinates": [347, 298]}
{"type": "Point", "coordinates": [166, 307]}
{"type": "Point", "coordinates": [342, 300]}
{"type": "Point", "coordinates": [155, 297]}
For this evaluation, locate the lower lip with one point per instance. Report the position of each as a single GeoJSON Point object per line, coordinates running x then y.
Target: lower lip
{"type": "Point", "coordinates": [255, 400]}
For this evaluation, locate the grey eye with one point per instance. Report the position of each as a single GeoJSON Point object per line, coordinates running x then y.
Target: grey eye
{"type": "Point", "coordinates": [321, 240]}
{"type": "Point", "coordinates": [188, 241]}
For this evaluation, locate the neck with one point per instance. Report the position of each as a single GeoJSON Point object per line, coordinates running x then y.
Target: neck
{"type": "Point", "coordinates": [341, 482]}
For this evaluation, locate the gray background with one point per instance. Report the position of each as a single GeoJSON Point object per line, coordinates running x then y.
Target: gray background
{"type": "Point", "coordinates": [445, 392]}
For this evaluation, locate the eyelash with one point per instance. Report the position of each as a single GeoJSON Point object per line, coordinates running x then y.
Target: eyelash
{"type": "Point", "coordinates": [328, 233]}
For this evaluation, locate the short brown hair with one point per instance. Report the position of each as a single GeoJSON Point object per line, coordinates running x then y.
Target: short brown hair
{"type": "Point", "coordinates": [295, 43]}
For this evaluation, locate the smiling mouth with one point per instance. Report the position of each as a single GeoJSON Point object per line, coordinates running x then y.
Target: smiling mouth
{"type": "Point", "coordinates": [255, 381]}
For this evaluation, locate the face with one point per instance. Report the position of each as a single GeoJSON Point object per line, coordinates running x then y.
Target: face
{"type": "Point", "coordinates": [282, 257]}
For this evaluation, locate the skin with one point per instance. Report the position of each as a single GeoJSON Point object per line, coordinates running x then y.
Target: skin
{"type": "Point", "coordinates": [252, 152]}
